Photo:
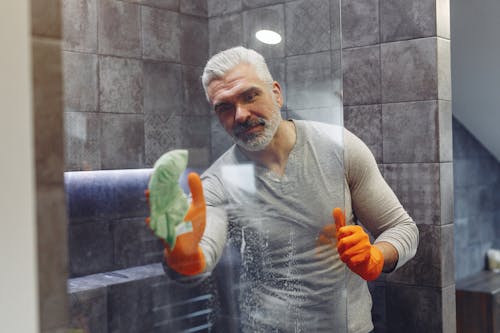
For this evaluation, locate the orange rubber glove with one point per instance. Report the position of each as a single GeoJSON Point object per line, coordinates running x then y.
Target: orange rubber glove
{"type": "Point", "coordinates": [353, 246]}
{"type": "Point", "coordinates": [187, 258]}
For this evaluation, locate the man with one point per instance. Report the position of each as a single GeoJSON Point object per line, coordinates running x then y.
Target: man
{"type": "Point", "coordinates": [304, 270]}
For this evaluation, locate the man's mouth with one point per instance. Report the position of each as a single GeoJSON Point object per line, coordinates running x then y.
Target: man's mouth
{"type": "Point", "coordinates": [248, 127]}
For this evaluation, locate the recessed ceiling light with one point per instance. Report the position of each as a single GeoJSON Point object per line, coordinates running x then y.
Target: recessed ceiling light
{"type": "Point", "coordinates": [268, 37]}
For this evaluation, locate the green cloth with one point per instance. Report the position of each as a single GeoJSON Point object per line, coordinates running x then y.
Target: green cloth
{"type": "Point", "coordinates": [168, 203]}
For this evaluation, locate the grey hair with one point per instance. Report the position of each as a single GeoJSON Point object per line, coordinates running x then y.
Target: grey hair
{"type": "Point", "coordinates": [224, 61]}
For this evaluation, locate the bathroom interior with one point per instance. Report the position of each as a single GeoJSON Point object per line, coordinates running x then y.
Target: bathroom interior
{"type": "Point", "coordinates": [116, 83]}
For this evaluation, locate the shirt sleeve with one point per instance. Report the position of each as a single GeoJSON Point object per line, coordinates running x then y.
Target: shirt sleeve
{"type": "Point", "coordinates": [375, 204]}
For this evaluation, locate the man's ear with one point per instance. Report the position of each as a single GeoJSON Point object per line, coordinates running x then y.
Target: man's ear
{"type": "Point", "coordinates": [277, 93]}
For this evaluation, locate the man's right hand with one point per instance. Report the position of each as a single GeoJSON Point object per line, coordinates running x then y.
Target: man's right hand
{"type": "Point", "coordinates": [187, 258]}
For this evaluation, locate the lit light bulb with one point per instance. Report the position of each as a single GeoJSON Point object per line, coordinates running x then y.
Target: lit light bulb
{"type": "Point", "coordinates": [268, 37]}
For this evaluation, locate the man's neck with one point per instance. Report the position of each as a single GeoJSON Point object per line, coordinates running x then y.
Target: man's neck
{"type": "Point", "coordinates": [275, 155]}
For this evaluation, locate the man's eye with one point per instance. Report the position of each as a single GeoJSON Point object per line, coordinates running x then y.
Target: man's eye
{"type": "Point", "coordinates": [250, 96]}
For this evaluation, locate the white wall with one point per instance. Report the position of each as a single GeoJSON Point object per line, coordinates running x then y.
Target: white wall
{"type": "Point", "coordinates": [18, 269]}
{"type": "Point", "coordinates": [475, 68]}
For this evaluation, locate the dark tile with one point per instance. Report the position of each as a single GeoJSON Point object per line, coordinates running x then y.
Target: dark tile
{"type": "Point", "coordinates": [377, 290]}
{"type": "Point", "coordinates": [158, 26]}
{"type": "Point", "coordinates": [52, 255]}
{"type": "Point", "coordinates": [277, 67]}
{"type": "Point", "coordinates": [262, 3]}
{"type": "Point", "coordinates": [195, 101]}
{"type": "Point", "coordinates": [268, 18]}
{"type": "Point", "coordinates": [82, 138]}
{"type": "Point", "coordinates": [159, 136]}
{"type": "Point", "coordinates": [222, 7]}
{"type": "Point", "coordinates": [46, 18]}
{"type": "Point", "coordinates": [360, 23]}
{"type": "Point", "coordinates": [361, 75]}
{"type": "Point", "coordinates": [80, 25]}
{"type": "Point", "coordinates": [365, 121]}
{"type": "Point", "coordinates": [194, 40]}
{"type": "Point", "coordinates": [192, 132]}
{"type": "Point", "coordinates": [402, 302]}
{"type": "Point", "coordinates": [409, 70]}
{"type": "Point", "coordinates": [120, 85]}
{"type": "Point", "coordinates": [119, 28]}
{"type": "Point", "coordinates": [90, 248]}
{"type": "Point", "coordinates": [410, 132]}
{"type": "Point", "coordinates": [309, 81]}
{"type": "Point", "coordinates": [195, 7]}
{"type": "Point", "coordinates": [48, 111]}
{"type": "Point", "coordinates": [122, 141]}
{"type": "Point", "coordinates": [407, 19]}
{"type": "Point", "coordinates": [80, 81]}
{"type": "Point", "coordinates": [162, 92]}
{"type": "Point", "coordinates": [225, 32]}
{"type": "Point", "coordinates": [433, 265]}
{"type": "Point", "coordinates": [88, 310]}
{"type": "Point", "coordinates": [307, 26]}
{"type": "Point", "coordinates": [135, 244]}
{"type": "Point", "coordinates": [417, 187]}
{"type": "Point", "coordinates": [335, 25]}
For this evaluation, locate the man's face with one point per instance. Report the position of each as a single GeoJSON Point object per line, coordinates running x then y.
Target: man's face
{"type": "Point", "coordinates": [247, 107]}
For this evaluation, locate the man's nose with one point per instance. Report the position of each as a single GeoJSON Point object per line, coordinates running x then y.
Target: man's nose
{"type": "Point", "coordinates": [242, 114]}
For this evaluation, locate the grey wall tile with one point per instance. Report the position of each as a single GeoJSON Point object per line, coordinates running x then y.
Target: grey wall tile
{"type": "Point", "coordinates": [417, 187]}
{"type": "Point", "coordinates": [410, 132]}
{"type": "Point", "coordinates": [402, 302]}
{"type": "Point", "coordinates": [159, 136]}
{"type": "Point", "coordinates": [361, 75]}
{"type": "Point", "coordinates": [122, 141]}
{"type": "Point", "coordinates": [222, 7]}
{"type": "Point", "coordinates": [195, 102]}
{"type": "Point", "coordinates": [407, 19]}
{"type": "Point", "coordinates": [48, 110]}
{"type": "Point", "coordinates": [446, 190]}
{"type": "Point", "coordinates": [443, 18]}
{"type": "Point", "coordinates": [360, 23]}
{"type": "Point", "coordinates": [163, 92]}
{"type": "Point", "coordinates": [82, 141]}
{"type": "Point", "coordinates": [88, 310]}
{"type": "Point", "coordinates": [119, 28]}
{"type": "Point", "coordinates": [220, 139]}
{"type": "Point", "coordinates": [195, 7]}
{"type": "Point", "coordinates": [194, 40]}
{"type": "Point", "coordinates": [193, 132]}
{"type": "Point", "coordinates": [277, 67]}
{"type": "Point", "coordinates": [134, 244]}
{"type": "Point", "coordinates": [90, 248]}
{"type": "Point", "coordinates": [409, 70]}
{"type": "Point", "coordinates": [307, 26]}
{"type": "Point", "coordinates": [80, 25]}
{"type": "Point", "coordinates": [121, 85]}
{"type": "Point", "coordinates": [309, 81]}
{"type": "Point", "coordinates": [159, 26]}
{"type": "Point", "coordinates": [52, 255]}
{"type": "Point", "coordinates": [464, 144]}
{"type": "Point", "coordinates": [164, 4]}
{"type": "Point", "coordinates": [225, 32]}
{"type": "Point", "coordinates": [444, 69]}
{"type": "Point", "coordinates": [445, 131]}
{"type": "Point", "coordinates": [262, 3]}
{"type": "Point", "coordinates": [365, 121]}
{"type": "Point", "coordinates": [268, 18]}
{"type": "Point", "coordinates": [449, 309]}
{"type": "Point", "coordinates": [80, 81]}
{"type": "Point", "coordinates": [46, 18]}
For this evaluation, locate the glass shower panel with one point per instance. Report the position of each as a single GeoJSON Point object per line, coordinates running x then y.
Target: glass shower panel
{"type": "Point", "coordinates": [133, 91]}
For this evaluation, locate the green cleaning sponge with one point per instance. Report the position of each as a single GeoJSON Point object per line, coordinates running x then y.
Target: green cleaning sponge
{"type": "Point", "coordinates": [168, 203]}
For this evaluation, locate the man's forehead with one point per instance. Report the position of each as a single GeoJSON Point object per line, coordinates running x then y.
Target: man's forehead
{"type": "Point", "coordinates": [237, 80]}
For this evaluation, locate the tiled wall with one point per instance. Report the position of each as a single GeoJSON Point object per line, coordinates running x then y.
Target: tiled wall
{"type": "Point", "coordinates": [48, 134]}
{"type": "Point", "coordinates": [129, 72]}
{"type": "Point", "coordinates": [477, 202]}
{"type": "Point", "coordinates": [397, 98]}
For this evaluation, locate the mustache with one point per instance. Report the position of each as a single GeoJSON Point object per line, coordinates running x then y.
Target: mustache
{"type": "Point", "coordinates": [242, 127]}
